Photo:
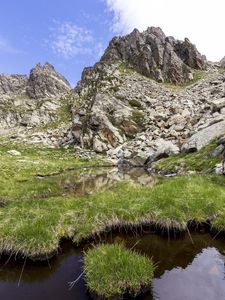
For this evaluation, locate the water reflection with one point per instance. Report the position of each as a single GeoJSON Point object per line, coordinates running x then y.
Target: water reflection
{"type": "Point", "coordinates": [87, 181]}
{"type": "Point", "coordinates": [202, 279]}
{"type": "Point", "coordinates": [185, 271]}
{"type": "Point", "coordinates": [47, 280]}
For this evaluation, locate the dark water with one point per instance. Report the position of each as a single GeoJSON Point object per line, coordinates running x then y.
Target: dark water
{"type": "Point", "coordinates": [185, 271]}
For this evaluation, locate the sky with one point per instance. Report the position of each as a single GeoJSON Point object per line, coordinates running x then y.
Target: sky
{"type": "Point", "coordinates": [72, 34]}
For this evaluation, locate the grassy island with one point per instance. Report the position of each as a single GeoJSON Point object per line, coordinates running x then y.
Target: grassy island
{"type": "Point", "coordinates": [119, 271]}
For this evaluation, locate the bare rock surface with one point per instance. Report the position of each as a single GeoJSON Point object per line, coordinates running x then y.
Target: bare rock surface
{"type": "Point", "coordinates": [44, 81]}
{"type": "Point", "coordinates": [12, 83]}
{"type": "Point", "coordinates": [222, 62]}
{"type": "Point", "coordinates": [155, 55]}
{"type": "Point", "coordinates": [204, 137]}
{"type": "Point", "coordinates": [32, 101]}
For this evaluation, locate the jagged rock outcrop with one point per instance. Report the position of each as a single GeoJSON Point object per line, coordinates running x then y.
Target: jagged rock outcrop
{"type": "Point", "coordinates": [35, 100]}
{"type": "Point", "coordinates": [155, 55]}
{"type": "Point", "coordinates": [44, 81]}
{"type": "Point", "coordinates": [12, 83]}
{"type": "Point", "coordinates": [133, 118]}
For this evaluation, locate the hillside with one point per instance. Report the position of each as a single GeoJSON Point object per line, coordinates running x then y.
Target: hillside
{"type": "Point", "coordinates": [142, 101]}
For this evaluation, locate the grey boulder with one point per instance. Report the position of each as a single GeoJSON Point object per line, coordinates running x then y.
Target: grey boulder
{"type": "Point", "coordinates": [204, 137]}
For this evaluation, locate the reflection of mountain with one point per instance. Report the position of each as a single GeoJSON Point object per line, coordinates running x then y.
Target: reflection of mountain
{"type": "Point", "coordinates": [88, 181]}
{"type": "Point", "coordinates": [203, 279]}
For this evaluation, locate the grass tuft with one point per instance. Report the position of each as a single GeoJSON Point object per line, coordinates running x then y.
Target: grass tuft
{"type": "Point", "coordinates": [112, 271]}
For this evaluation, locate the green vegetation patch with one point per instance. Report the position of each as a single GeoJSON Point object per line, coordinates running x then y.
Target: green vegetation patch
{"type": "Point", "coordinates": [135, 103]}
{"type": "Point", "coordinates": [199, 161]}
{"type": "Point", "coordinates": [17, 180]}
{"type": "Point", "coordinates": [138, 117]}
{"type": "Point", "coordinates": [35, 227]}
{"type": "Point", "coordinates": [112, 270]}
{"type": "Point", "coordinates": [125, 67]}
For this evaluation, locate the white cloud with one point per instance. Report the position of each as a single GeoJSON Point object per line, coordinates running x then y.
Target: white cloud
{"type": "Point", "coordinates": [69, 40]}
{"type": "Point", "coordinates": [202, 21]}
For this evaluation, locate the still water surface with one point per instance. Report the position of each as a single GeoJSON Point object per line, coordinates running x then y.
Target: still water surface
{"type": "Point", "coordinates": [185, 271]}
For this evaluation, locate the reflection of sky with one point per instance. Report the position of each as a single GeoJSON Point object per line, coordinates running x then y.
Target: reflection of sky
{"type": "Point", "coordinates": [202, 280]}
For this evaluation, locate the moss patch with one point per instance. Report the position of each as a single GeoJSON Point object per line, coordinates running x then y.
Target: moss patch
{"type": "Point", "coordinates": [112, 271]}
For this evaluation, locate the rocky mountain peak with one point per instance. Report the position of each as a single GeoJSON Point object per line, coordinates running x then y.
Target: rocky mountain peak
{"type": "Point", "coordinates": [119, 111]}
{"type": "Point", "coordinates": [45, 81]}
{"type": "Point", "coordinates": [156, 56]}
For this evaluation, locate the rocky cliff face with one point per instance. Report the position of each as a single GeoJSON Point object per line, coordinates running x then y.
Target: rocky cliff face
{"type": "Point", "coordinates": [44, 81]}
{"type": "Point", "coordinates": [222, 62]}
{"type": "Point", "coordinates": [12, 83]}
{"type": "Point", "coordinates": [31, 101]}
{"type": "Point", "coordinates": [156, 56]}
{"type": "Point", "coordinates": [130, 116]}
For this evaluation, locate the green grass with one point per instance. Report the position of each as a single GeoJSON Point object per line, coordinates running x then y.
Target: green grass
{"type": "Point", "coordinates": [113, 270]}
{"type": "Point", "coordinates": [17, 180]}
{"type": "Point", "coordinates": [199, 161]}
{"type": "Point", "coordinates": [135, 103]}
{"type": "Point", "coordinates": [35, 227]}
{"type": "Point", "coordinates": [138, 117]}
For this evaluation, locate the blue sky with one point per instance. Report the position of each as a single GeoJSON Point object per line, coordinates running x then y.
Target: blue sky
{"type": "Point", "coordinates": [72, 34]}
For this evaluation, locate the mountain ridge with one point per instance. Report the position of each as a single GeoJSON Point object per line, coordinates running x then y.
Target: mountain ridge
{"type": "Point", "coordinates": [144, 99]}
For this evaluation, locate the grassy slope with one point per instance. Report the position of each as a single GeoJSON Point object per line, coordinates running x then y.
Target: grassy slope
{"type": "Point", "coordinates": [36, 226]}
{"type": "Point", "coordinates": [199, 161]}
{"type": "Point", "coordinates": [118, 271]}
